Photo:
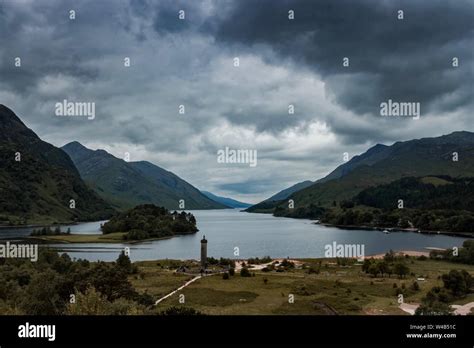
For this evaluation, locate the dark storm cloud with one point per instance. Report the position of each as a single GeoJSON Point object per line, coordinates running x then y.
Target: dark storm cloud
{"type": "Point", "coordinates": [190, 62]}
{"type": "Point", "coordinates": [41, 34]}
{"type": "Point", "coordinates": [407, 60]}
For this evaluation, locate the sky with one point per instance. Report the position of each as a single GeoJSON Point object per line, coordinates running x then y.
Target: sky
{"type": "Point", "coordinates": [282, 61]}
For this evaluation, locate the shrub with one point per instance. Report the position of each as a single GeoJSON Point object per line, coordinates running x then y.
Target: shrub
{"type": "Point", "coordinates": [244, 272]}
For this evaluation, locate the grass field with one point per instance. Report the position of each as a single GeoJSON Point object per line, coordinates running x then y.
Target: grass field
{"type": "Point", "coordinates": [81, 238]}
{"type": "Point", "coordinates": [335, 290]}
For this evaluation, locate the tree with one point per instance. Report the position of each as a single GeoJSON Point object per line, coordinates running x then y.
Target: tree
{"type": "Point", "coordinates": [458, 282]}
{"type": "Point", "coordinates": [244, 272]}
{"type": "Point", "coordinates": [225, 276]}
{"type": "Point", "coordinates": [42, 295]}
{"type": "Point", "coordinates": [401, 269]}
{"type": "Point", "coordinates": [123, 262]}
{"type": "Point", "coordinates": [434, 308]}
{"type": "Point", "coordinates": [90, 302]}
{"type": "Point", "coordinates": [111, 282]}
{"type": "Point", "coordinates": [373, 270]}
{"type": "Point", "coordinates": [383, 267]}
{"type": "Point", "coordinates": [366, 265]}
{"type": "Point", "coordinates": [390, 256]}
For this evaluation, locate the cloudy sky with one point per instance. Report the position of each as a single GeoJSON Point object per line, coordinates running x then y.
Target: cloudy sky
{"type": "Point", "coordinates": [190, 62]}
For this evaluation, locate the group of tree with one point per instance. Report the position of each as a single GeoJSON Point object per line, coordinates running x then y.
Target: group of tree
{"type": "Point", "coordinates": [149, 221]}
{"type": "Point", "coordinates": [56, 285]}
{"type": "Point", "coordinates": [284, 265]}
{"type": "Point", "coordinates": [456, 285]}
{"type": "Point", "coordinates": [434, 203]}
{"type": "Point", "coordinates": [223, 262]}
{"type": "Point", "coordinates": [390, 264]}
{"type": "Point", "coordinates": [47, 231]}
{"type": "Point", "coordinates": [427, 193]}
{"type": "Point", "coordinates": [465, 254]}
{"type": "Point", "coordinates": [258, 261]}
{"type": "Point", "coordinates": [312, 211]}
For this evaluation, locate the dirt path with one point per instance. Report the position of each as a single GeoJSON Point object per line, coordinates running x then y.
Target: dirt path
{"type": "Point", "coordinates": [178, 289]}
{"type": "Point", "coordinates": [189, 282]}
{"type": "Point", "coordinates": [458, 309]}
{"type": "Point", "coordinates": [464, 309]}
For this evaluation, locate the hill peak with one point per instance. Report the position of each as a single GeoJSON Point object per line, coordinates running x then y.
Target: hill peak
{"type": "Point", "coordinates": [75, 145]}
{"type": "Point", "coordinates": [8, 117]}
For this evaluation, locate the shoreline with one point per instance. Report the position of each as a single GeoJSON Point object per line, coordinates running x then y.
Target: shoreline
{"type": "Point", "coordinates": [397, 229]}
{"type": "Point", "coordinates": [72, 223]}
{"type": "Point", "coordinates": [109, 238]}
{"type": "Point", "coordinates": [372, 228]}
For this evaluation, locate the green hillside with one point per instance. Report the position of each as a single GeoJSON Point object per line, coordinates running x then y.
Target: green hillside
{"type": "Point", "coordinates": [127, 184]}
{"type": "Point", "coordinates": [428, 203]}
{"type": "Point", "coordinates": [39, 187]}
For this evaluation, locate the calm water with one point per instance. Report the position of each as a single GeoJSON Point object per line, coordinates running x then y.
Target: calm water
{"type": "Point", "coordinates": [82, 228]}
{"type": "Point", "coordinates": [254, 235]}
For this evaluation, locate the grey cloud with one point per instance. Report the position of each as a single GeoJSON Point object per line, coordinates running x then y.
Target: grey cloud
{"type": "Point", "coordinates": [190, 63]}
{"type": "Point", "coordinates": [402, 60]}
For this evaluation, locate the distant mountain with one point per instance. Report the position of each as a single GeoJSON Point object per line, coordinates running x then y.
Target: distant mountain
{"type": "Point", "coordinates": [383, 164]}
{"type": "Point", "coordinates": [38, 180]}
{"type": "Point", "coordinates": [284, 194]}
{"type": "Point", "coordinates": [269, 204]}
{"type": "Point", "coordinates": [127, 184]}
{"type": "Point", "coordinates": [232, 203]}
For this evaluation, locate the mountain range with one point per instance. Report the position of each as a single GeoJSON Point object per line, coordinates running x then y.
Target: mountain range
{"type": "Point", "coordinates": [451, 155]}
{"type": "Point", "coordinates": [232, 203]}
{"type": "Point", "coordinates": [128, 184]}
{"type": "Point", "coordinates": [38, 182]}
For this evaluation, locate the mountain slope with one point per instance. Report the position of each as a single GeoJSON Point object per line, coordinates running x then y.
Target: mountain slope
{"type": "Point", "coordinates": [420, 157]}
{"type": "Point", "coordinates": [284, 194]}
{"type": "Point", "coordinates": [193, 197]}
{"type": "Point", "coordinates": [370, 157]}
{"type": "Point", "coordinates": [38, 188]}
{"type": "Point", "coordinates": [231, 203]}
{"type": "Point", "coordinates": [269, 204]}
{"type": "Point", "coordinates": [127, 184]}
{"type": "Point", "coordinates": [383, 164]}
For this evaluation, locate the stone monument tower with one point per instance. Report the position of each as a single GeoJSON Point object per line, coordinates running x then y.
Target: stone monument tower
{"type": "Point", "coordinates": [203, 253]}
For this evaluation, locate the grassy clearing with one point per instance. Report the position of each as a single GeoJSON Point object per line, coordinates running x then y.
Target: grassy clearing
{"type": "Point", "coordinates": [116, 237]}
{"type": "Point", "coordinates": [335, 290]}
{"type": "Point", "coordinates": [82, 238]}
{"type": "Point", "coordinates": [156, 278]}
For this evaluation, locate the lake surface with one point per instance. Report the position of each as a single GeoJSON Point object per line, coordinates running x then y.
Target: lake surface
{"type": "Point", "coordinates": [255, 235]}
